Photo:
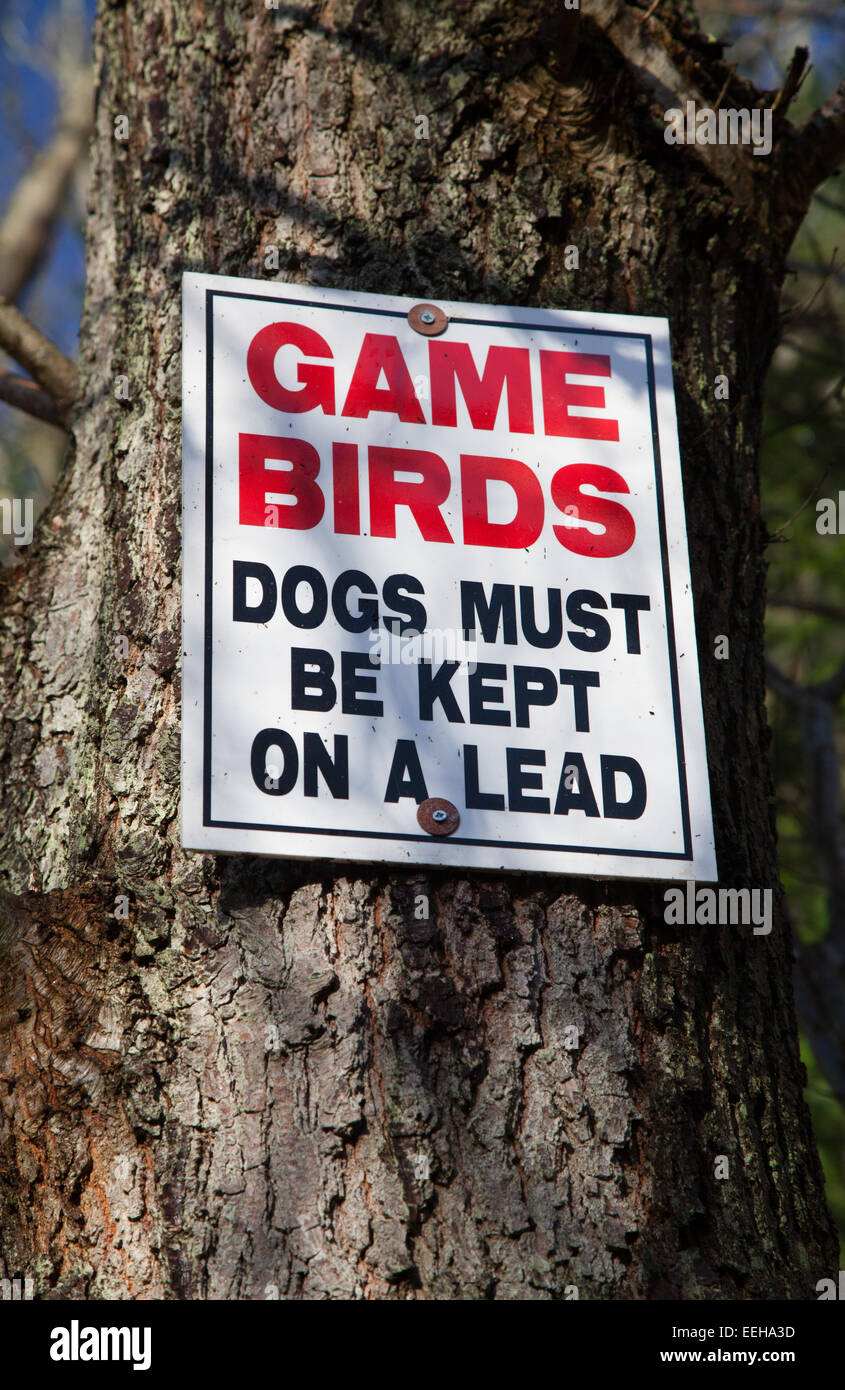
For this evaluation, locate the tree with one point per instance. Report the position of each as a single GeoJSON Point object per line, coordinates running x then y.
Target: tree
{"type": "Point", "coordinates": [229, 1077]}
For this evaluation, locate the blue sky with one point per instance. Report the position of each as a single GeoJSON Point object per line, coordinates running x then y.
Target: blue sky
{"type": "Point", "coordinates": [27, 119]}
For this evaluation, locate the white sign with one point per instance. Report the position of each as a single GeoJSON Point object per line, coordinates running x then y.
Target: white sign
{"type": "Point", "coordinates": [424, 565]}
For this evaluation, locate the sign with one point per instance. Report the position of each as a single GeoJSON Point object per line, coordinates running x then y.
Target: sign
{"type": "Point", "coordinates": [437, 601]}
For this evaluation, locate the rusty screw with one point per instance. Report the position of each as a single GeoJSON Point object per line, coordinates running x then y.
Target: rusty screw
{"type": "Point", "coordinates": [428, 319]}
{"type": "Point", "coordinates": [437, 816]}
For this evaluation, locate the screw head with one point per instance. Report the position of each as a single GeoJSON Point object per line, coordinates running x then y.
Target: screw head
{"type": "Point", "coordinates": [428, 319]}
{"type": "Point", "coordinates": [437, 816]}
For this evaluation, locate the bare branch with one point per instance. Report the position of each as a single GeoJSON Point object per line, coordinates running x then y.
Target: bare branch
{"type": "Point", "coordinates": [834, 687]}
{"type": "Point", "coordinates": [671, 86]}
{"type": "Point", "coordinates": [794, 80]}
{"type": "Point", "coordinates": [807, 697]}
{"type": "Point", "coordinates": [797, 311]}
{"type": "Point", "coordinates": [650, 11]}
{"type": "Point", "coordinates": [782, 685]}
{"type": "Point", "coordinates": [822, 610]}
{"type": "Point", "coordinates": [819, 148]}
{"type": "Point", "coordinates": [774, 534]}
{"type": "Point", "coordinates": [24, 395]}
{"type": "Point", "coordinates": [49, 367]}
{"type": "Point", "coordinates": [36, 203]}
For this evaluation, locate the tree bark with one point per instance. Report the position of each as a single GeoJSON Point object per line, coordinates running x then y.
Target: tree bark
{"type": "Point", "coordinates": [271, 1078]}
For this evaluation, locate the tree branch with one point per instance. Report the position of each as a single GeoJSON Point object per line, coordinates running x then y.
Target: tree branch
{"type": "Point", "coordinates": [822, 610]}
{"type": "Point", "coordinates": [834, 687]}
{"type": "Point", "coordinates": [782, 685]}
{"type": "Point", "coordinates": [819, 977]}
{"type": "Point", "coordinates": [671, 85]}
{"type": "Point", "coordinates": [36, 202]}
{"type": "Point", "coordinates": [53, 372]}
{"type": "Point", "coordinates": [774, 534]}
{"type": "Point", "coordinates": [793, 82]}
{"type": "Point", "coordinates": [819, 148]}
{"type": "Point", "coordinates": [806, 696]}
{"type": "Point", "coordinates": [24, 395]}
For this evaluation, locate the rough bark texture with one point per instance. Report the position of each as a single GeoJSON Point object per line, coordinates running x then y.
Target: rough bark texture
{"type": "Point", "coordinates": [272, 1077]}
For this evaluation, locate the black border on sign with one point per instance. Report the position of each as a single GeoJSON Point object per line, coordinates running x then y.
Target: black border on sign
{"type": "Point", "coordinates": [208, 823]}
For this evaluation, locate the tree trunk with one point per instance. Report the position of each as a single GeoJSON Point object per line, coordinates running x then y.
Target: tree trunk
{"type": "Point", "coordinates": [271, 1079]}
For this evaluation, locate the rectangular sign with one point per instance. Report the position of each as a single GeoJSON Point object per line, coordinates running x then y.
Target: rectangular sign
{"type": "Point", "coordinates": [426, 567]}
